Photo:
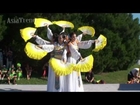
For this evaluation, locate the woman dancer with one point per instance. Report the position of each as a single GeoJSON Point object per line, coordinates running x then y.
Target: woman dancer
{"type": "Point", "coordinates": [74, 80]}
{"type": "Point", "coordinates": [55, 82]}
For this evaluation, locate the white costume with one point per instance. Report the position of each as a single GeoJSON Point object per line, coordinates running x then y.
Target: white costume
{"type": "Point", "coordinates": [51, 75]}
{"type": "Point", "coordinates": [74, 80]}
{"type": "Point", "coordinates": [56, 83]}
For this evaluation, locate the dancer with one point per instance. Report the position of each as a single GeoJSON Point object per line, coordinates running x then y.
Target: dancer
{"type": "Point", "coordinates": [74, 80]}
{"type": "Point", "coordinates": [55, 83]}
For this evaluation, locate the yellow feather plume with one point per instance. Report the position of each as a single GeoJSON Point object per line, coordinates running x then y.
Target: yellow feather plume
{"type": "Point", "coordinates": [41, 22]}
{"type": "Point", "coordinates": [26, 33]}
{"type": "Point", "coordinates": [88, 30]}
{"type": "Point", "coordinates": [34, 52]}
{"type": "Point", "coordinates": [63, 23]}
{"type": "Point", "coordinates": [102, 42]}
{"type": "Point", "coordinates": [59, 67]}
{"type": "Point", "coordinates": [85, 65]}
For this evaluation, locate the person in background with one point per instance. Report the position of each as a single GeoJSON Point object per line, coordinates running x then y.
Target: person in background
{"type": "Point", "coordinates": [9, 58]}
{"type": "Point", "coordinates": [12, 77]}
{"type": "Point", "coordinates": [4, 72]}
{"type": "Point", "coordinates": [28, 69]}
{"type": "Point", "coordinates": [1, 58]}
{"type": "Point", "coordinates": [19, 71]}
{"type": "Point", "coordinates": [133, 75]}
{"type": "Point", "coordinates": [45, 69]}
{"type": "Point", "coordinates": [89, 76]}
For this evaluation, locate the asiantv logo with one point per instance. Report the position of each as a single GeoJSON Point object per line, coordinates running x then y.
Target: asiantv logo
{"type": "Point", "coordinates": [19, 20]}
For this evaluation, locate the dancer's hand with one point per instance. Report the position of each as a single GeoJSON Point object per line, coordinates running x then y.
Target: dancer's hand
{"type": "Point", "coordinates": [96, 41]}
{"type": "Point", "coordinates": [39, 46]}
{"type": "Point", "coordinates": [34, 35]}
{"type": "Point", "coordinates": [84, 33]}
{"type": "Point", "coordinates": [63, 27]}
{"type": "Point", "coordinates": [45, 24]}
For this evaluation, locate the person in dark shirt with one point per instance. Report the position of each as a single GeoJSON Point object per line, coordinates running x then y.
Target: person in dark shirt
{"type": "Point", "coordinates": [89, 76]}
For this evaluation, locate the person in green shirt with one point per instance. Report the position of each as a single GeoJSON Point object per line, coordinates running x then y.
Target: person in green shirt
{"type": "Point", "coordinates": [19, 71]}
{"type": "Point", "coordinates": [12, 77]}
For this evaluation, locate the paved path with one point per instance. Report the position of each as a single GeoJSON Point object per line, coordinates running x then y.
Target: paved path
{"type": "Point", "coordinates": [87, 88]}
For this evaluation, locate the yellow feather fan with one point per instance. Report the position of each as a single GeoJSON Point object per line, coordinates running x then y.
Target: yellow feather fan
{"type": "Point", "coordinates": [34, 52]}
{"type": "Point", "coordinates": [26, 33]}
{"type": "Point", "coordinates": [88, 30]}
{"type": "Point", "coordinates": [59, 67]}
{"type": "Point", "coordinates": [101, 43]}
{"type": "Point", "coordinates": [85, 64]}
{"type": "Point", "coordinates": [41, 22]}
{"type": "Point", "coordinates": [63, 23]}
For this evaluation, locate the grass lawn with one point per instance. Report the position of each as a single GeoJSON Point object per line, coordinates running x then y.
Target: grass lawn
{"type": "Point", "coordinates": [33, 80]}
{"type": "Point", "coordinates": [112, 77]}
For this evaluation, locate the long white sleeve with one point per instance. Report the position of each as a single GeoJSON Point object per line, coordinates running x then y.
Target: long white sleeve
{"type": "Point", "coordinates": [49, 34]}
{"type": "Point", "coordinates": [48, 48]}
{"type": "Point", "coordinates": [64, 56]}
{"type": "Point", "coordinates": [74, 53]}
{"type": "Point", "coordinates": [62, 31]}
{"type": "Point", "coordinates": [79, 37]}
{"type": "Point", "coordinates": [41, 41]}
{"type": "Point", "coordinates": [85, 44]}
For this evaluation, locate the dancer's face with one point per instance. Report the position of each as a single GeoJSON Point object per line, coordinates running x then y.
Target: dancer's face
{"type": "Point", "coordinates": [60, 39]}
{"type": "Point", "coordinates": [73, 38]}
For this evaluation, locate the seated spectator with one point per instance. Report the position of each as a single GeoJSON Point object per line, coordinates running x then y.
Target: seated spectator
{"type": "Point", "coordinates": [89, 76]}
{"type": "Point", "coordinates": [12, 77]}
{"type": "Point", "coordinates": [19, 71]}
{"type": "Point", "coordinates": [4, 72]}
{"type": "Point", "coordinates": [12, 67]}
{"type": "Point", "coordinates": [133, 75]}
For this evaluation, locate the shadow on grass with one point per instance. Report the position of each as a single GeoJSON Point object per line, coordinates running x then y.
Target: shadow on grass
{"type": "Point", "coordinates": [129, 87]}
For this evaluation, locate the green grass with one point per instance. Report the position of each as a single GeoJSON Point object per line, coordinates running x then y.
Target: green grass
{"type": "Point", "coordinates": [34, 80]}
{"type": "Point", "coordinates": [112, 77]}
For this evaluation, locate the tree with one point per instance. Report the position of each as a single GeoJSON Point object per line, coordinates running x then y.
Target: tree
{"type": "Point", "coordinates": [2, 28]}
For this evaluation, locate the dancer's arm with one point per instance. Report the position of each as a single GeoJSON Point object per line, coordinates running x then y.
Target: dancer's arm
{"type": "Point", "coordinates": [63, 30]}
{"type": "Point", "coordinates": [74, 52]}
{"type": "Point", "coordinates": [79, 37]}
{"type": "Point", "coordinates": [40, 40]}
{"type": "Point", "coordinates": [86, 44]}
{"type": "Point", "coordinates": [64, 56]}
{"type": "Point", "coordinates": [49, 33]}
{"type": "Point", "coordinates": [47, 48]}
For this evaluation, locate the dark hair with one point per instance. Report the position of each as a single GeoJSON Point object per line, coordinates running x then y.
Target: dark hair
{"type": "Point", "coordinates": [55, 37]}
{"type": "Point", "coordinates": [71, 34]}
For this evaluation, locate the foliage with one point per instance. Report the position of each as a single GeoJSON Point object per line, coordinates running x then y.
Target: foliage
{"type": "Point", "coordinates": [122, 32]}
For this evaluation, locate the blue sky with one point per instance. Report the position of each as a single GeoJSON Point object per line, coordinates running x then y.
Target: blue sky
{"type": "Point", "coordinates": [135, 15]}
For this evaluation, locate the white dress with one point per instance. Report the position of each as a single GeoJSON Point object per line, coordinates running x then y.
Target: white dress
{"type": "Point", "coordinates": [51, 75]}
{"type": "Point", "coordinates": [55, 83]}
{"type": "Point", "coordinates": [74, 80]}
